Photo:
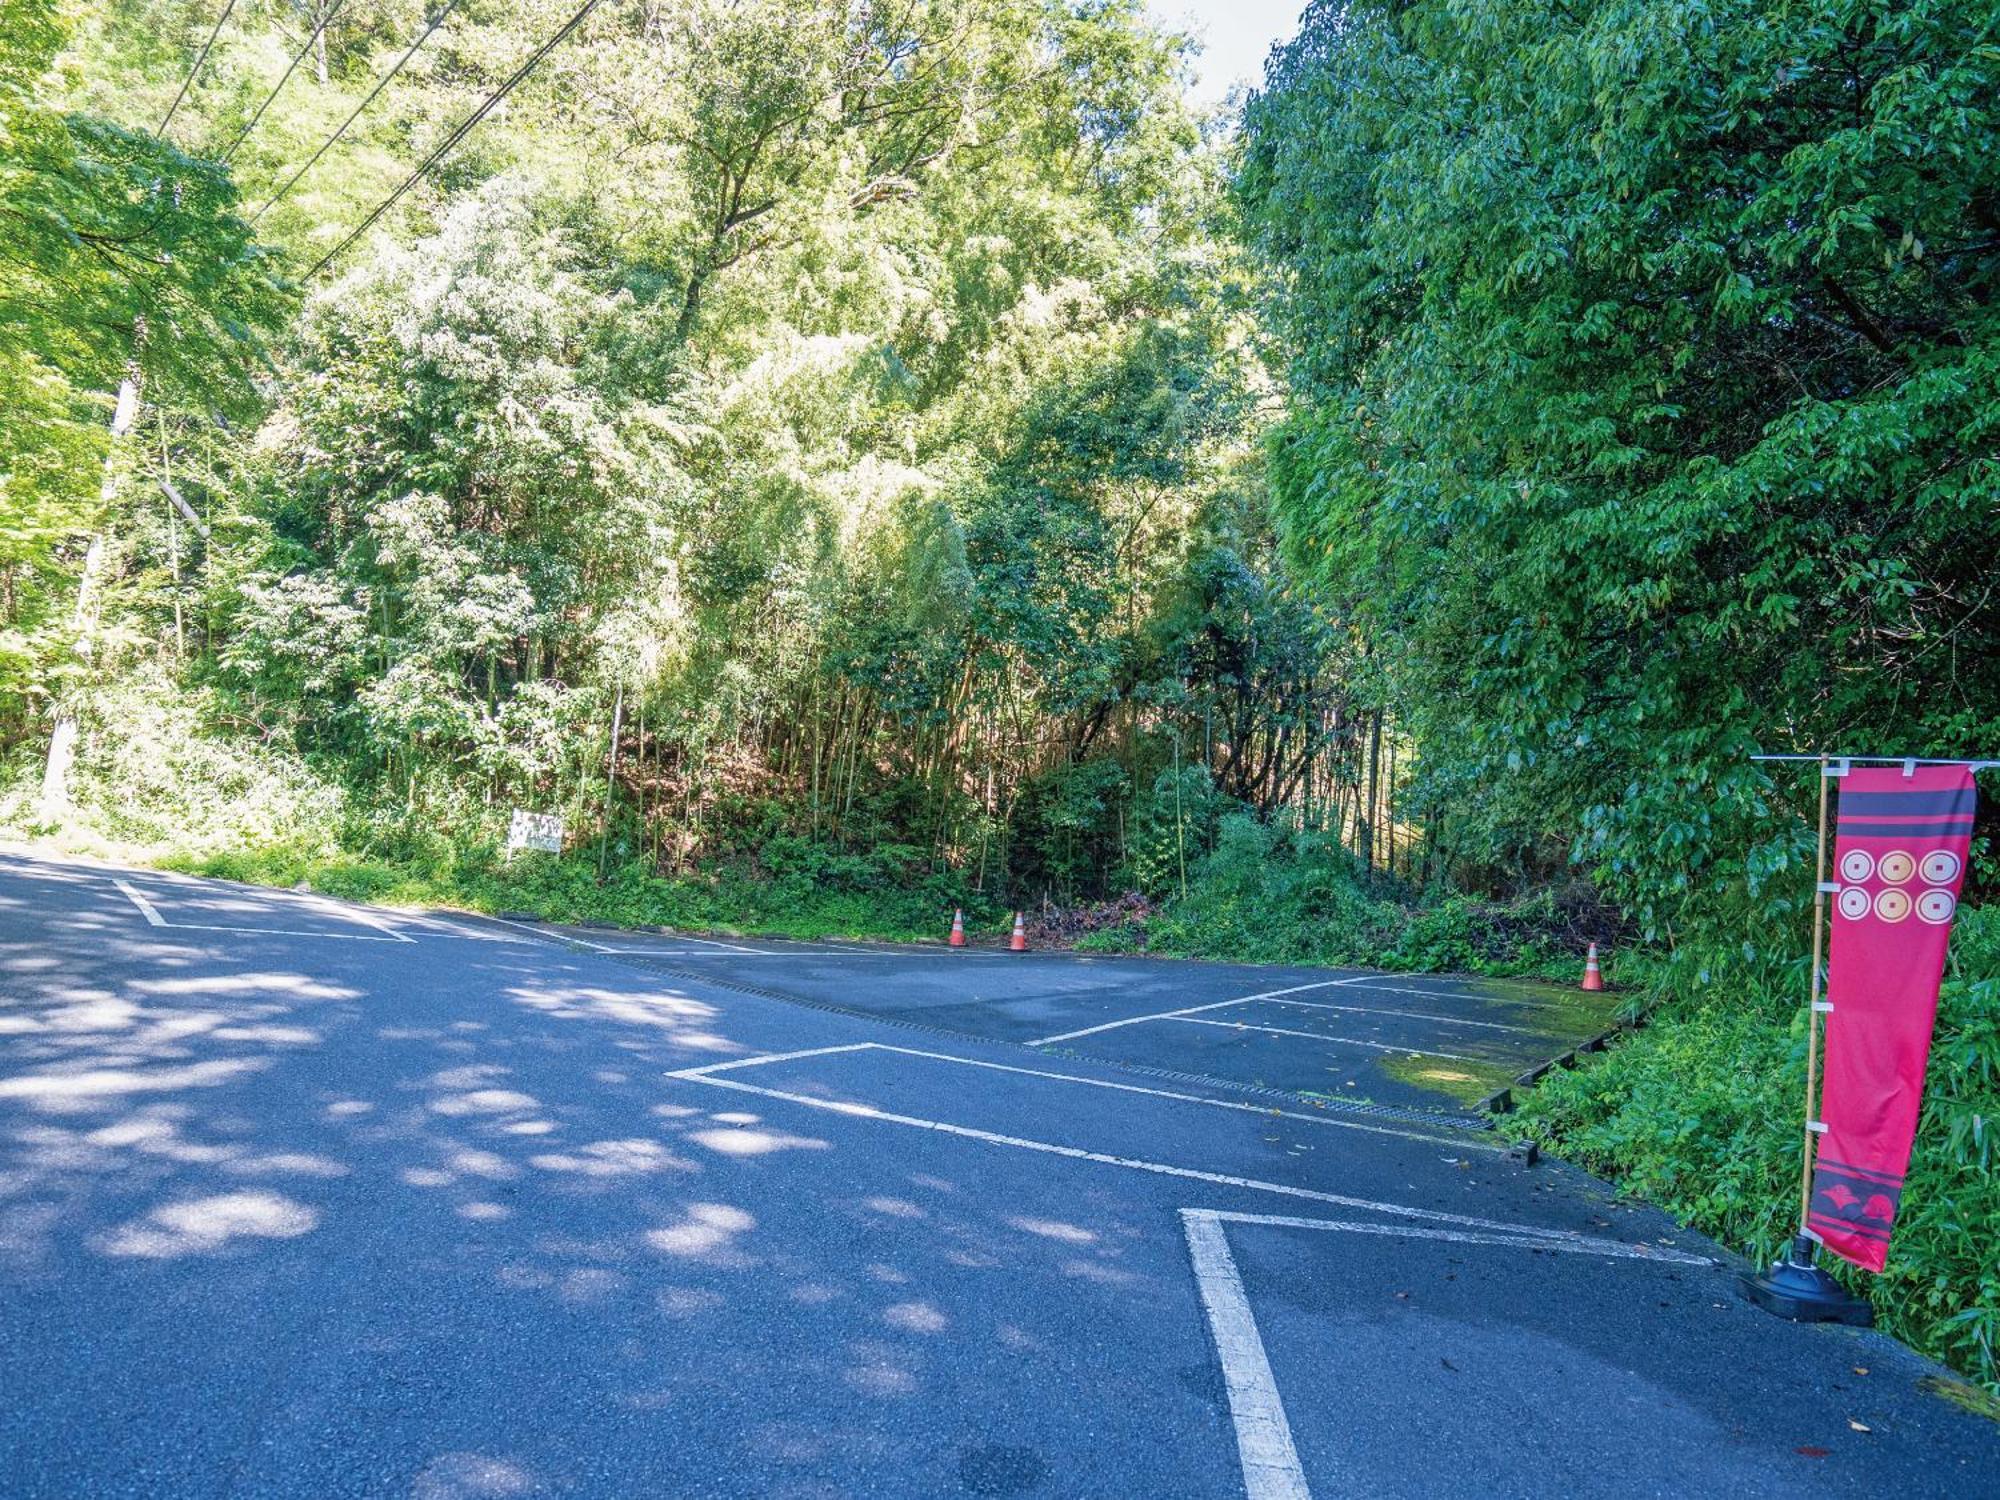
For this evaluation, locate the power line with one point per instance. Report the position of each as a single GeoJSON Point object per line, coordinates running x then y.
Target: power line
{"type": "Point", "coordinates": [297, 58]}
{"type": "Point", "coordinates": [464, 129]}
{"type": "Point", "coordinates": [202, 57]}
{"type": "Point", "coordinates": [330, 140]}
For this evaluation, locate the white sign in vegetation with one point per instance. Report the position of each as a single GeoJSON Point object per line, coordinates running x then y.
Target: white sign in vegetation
{"type": "Point", "coordinates": [533, 830]}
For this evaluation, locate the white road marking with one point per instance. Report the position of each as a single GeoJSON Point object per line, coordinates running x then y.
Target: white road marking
{"type": "Point", "coordinates": [1519, 1234]}
{"type": "Point", "coordinates": [714, 943]}
{"type": "Point", "coordinates": [466, 934]}
{"type": "Point", "coordinates": [332, 937]}
{"type": "Point", "coordinates": [1408, 1015]}
{"type": "Point", "coordinates": [146, 908]}
{"type": "Point", "coordinates": [1460, 1143]}
{"type": "Point", "coordinates": [349, 912]}
{"type": "Point", "coordinates": [1270, 1462]}
{"type": "Point", "coordinates": [758, 1061]}
{"type": "Point", "coordinates": [546, 936]}
{"type": "Point", "coordinates": [1345, 1041]}
{"type": "Point", "coordinates": [1264, 1448]}
{"type": "Point", "coordinates": [1076, 1153]}
{"type": "Point", "coordinates": [1189, 1010]}
{"type": "Point", "coordinates": [818, 952]}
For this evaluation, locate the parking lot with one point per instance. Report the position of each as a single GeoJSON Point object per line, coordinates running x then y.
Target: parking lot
{"type": "Point", "coordinates": [299, 1197]}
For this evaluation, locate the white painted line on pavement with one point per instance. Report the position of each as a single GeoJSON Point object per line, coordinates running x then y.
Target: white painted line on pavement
{"type": "Point", "coordinates": [715, 944]}
{"type": "Point", "coordinates": [552, 938]}
{"type": "Point", "coordinates": [1270, 1462]}
{"type": "Point", "coordinates": [1459, 1143]}
{"type": "Point", "coordinates": [332, 937]}
{"type": "Point", "coordinates": [353, 913]}
{"type": "Point", "coordinates": [1345, 1041]}
{"type": "Point", "coordinates": [146, 908]}
{"type": "Point", "coordinates": [1193, 1174]}
{"type": "Point", "coordinates": [1409, 1015]}
{"type": "Point", "coordinates": [1189, 1010]}
{"type": "Point", "coordinates": [1264, 1448]}
{"type": "Point", "coordinates": [701, 1073]}
{"type": "Point", "coordinates": [1518, 1235]}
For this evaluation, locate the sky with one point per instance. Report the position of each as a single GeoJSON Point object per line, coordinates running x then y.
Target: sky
{"type": "Point", "coordinates": [1235, 36]}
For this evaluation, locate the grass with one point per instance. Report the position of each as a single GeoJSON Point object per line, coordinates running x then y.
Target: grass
{"type": "Point", "coordinates": [1457, 1078]}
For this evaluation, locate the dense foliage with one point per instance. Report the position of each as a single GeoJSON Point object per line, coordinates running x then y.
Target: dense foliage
{"type": "Point", "coordinates": [1645, 354]}
{"type": "Point", "coordinates": [853, 438]}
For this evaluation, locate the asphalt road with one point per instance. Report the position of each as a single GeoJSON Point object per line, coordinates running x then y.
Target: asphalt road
{"type": "Point", "coordinates": [303, 1199]}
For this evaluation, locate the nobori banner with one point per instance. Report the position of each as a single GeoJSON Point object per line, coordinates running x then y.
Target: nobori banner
{"type": "Point", "coordinates": [1899, 858]}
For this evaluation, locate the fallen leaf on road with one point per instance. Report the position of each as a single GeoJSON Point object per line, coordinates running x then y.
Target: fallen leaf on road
{"type": "Point", "coordinates": [1859, 1426]}
{"type": "Point", "coordinates": [1812, 1452]}
{"type": "Point", "coordinates": [1861, 1369]}
{"type": "Point", "coordinates": [1449, 1365]}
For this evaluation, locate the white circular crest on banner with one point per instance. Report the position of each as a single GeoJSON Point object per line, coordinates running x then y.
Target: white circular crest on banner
{"type": "Point", "coordinates": [1940, 867]}
{"type": "Point", "coordinates": [1936, 907]}
{"type": "Point", "coordinates": [1892, 905]}
{"type": "Point", "coordinates": [1857, 865]}
{"type": "Point", "coordinates": [1853, 903]}
{"type": "Point", "coordinates": [1896, 867]}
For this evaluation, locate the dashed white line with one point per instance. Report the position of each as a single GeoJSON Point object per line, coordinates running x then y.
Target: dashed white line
{"type": "Point", "coordinates": [1189, 1010]}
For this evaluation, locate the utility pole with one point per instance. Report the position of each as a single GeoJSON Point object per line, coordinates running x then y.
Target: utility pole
{"type": "Point", "coordinates": [83, 621]}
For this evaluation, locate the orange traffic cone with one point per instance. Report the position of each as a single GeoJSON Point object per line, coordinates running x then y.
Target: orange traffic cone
{"type": "Point", "coordinates": [958, 928]}
{"type": "Point", "coordinates": [1019, 941]}
{"type": "Point", "coordinates": [1593, 977]}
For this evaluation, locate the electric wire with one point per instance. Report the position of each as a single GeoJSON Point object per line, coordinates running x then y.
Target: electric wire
{"type": "Point", "coordinates": [458, 134]}
{"type": "Point", "coordinates": [270, 98]}
{"type": "Point", "coordinates": [200, 58]}
{"type": "Point", "coordinates": [328, 144]}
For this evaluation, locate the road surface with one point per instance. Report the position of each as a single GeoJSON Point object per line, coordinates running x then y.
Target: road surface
{"type": "Point", "coordinates": [299, 1198]}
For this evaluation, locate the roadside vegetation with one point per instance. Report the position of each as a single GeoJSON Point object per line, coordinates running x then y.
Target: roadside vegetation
{"type": "Point", "coordinates": [913, 460]}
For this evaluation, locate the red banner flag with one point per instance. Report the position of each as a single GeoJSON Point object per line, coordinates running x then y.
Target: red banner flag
{"type": "Point", "coordinates": [1899, 859]}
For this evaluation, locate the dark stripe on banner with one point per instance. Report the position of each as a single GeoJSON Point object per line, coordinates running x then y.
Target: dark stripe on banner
{"type": "Point", "coordinates": [1906, 804]}
{"type": "Point", "coordinates": [1849, 829]}
{"type": "Point", "coordinates": [1887, 1179]}
{"type": "Point", "coordinates": [1829, 1224]}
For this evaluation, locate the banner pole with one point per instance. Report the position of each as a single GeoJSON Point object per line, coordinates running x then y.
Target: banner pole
{"type": "Point", "coordinates": [1812, 1011]}
{"type": "Point", "coordinates": [1794, 1286]}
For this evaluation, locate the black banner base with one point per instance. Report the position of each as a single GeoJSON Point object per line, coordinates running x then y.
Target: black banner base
{"type": "Point", "coordinates": [1796, 1289]}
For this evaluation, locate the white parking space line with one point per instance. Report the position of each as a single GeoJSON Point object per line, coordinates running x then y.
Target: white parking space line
{"type": "Point", "coordinates": [715, 944]}
{"type": "Point", "coordinates": [146, 908]}
{"type": "Point", "coordinates": [762, 1058]}
{"type": "Point", "coordinates": [747, 953]}
{"type": "Point", "coordinates": [1345, 1041]}
{"type": "Point", "coordinates": [329, 907]}
{"type": "Point", "coordinates": [707, 1075]}
{"type": "Point", "coordinates": [1270, 1462]}
{"type": "Point", "coordinates": [332, 937]}
{"type": "Point", "coordinates": [1264, 1447]}
{"type": "Point", "coordinates": [1408, 1015]}
{"type": "Point", "coordinates": [1461, 1141]}
{"type": "Point", "coordinates": [554, 938]}
{"type": "Point", "coordinates": [1189, 1010]}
